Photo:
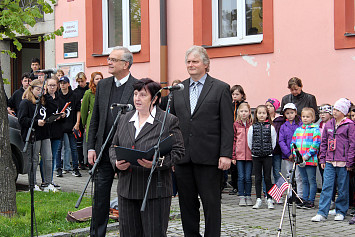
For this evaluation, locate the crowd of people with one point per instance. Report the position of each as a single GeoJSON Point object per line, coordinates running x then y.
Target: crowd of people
{"type": "Point", "coordinates": [211, 139]}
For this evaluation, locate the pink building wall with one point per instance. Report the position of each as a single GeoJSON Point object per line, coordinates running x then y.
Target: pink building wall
{"type": "Point", "coordinates": [303, 47]}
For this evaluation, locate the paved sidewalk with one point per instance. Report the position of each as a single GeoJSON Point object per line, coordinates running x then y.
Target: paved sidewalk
{"type": "Point", "coordinates": [236, 221]}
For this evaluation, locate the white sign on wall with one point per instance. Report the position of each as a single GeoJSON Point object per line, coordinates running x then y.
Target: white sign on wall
{"type": "Point", "coordinates": [70, 29]}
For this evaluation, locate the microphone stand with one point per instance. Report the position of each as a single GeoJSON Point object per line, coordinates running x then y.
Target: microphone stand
{"type": "Point", "coordinates": [292, 181]}
{"type": "Point", "coordinates": [30, 140]}
{"type": "Point", "coordinates": [98, 159]}
{"type": "Point", "coordinates": [155, 164]}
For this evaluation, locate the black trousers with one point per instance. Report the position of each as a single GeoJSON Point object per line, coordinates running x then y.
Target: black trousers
{"type": "Point", "coordinates": [195, 180]}
{"type": "Point", "coordinates": [134, 223]}
{"type": "Point", "coordinates": [262, 165]}
{"type": "Point", "coordinates": [102, 190]}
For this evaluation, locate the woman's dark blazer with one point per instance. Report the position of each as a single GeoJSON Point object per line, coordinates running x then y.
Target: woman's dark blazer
{"type": "Point", "coordinates": [132, 182]}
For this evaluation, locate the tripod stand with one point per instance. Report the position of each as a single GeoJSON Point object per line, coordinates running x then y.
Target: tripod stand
{"type": "Point", "coordinates": [292, 185]}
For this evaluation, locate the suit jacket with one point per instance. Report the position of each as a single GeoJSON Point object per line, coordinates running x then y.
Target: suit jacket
{"type": "Point", "coordinates": [132, 182]}
{"type": "Point", "coordinates": [208, 132]}
{"type": "Point", "coordinates": [99, 115]}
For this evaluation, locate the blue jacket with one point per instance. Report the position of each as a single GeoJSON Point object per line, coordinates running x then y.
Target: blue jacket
{"type": "Point", "coordinates": [285, 137]}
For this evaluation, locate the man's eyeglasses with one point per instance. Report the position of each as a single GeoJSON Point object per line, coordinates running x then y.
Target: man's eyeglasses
{"type": "Point", "coordinates": [114, 60]}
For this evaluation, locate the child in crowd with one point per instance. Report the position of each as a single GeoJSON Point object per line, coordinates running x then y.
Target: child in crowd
{"type": "Point", "coordinates": [242, 154]}
{"type": "Point", "coordinates": [307, 139]}
{"type": "Point", "coordinates": [325, 114]}
{"type": "Point", "coordinates": [352, 113]}
{"type": "Point", "coordinates": [42, 143]}
{"type": "Point", "coordinates": [285, 137]}
{"type": "Point", "coordinates": [261, 141]}
{"type": "Point", "coordinates": [336, 157]}
{"type": "Point", "coordinates": [238, 97]}
{"type": "Point", "coordinates": [272, 105]}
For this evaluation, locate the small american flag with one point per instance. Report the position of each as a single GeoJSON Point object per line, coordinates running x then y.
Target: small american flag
{"type": "Point", "coordinates": [278, 189]}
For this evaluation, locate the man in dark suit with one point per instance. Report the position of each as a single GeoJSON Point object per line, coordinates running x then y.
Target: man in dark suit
{"type": "Point", "coordinates": [115, 89]}
{"type": "Point", "coordinates": [206, 122]}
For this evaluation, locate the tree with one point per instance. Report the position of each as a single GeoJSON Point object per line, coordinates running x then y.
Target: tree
{"type": "Point", "coordinates": [16, 18]}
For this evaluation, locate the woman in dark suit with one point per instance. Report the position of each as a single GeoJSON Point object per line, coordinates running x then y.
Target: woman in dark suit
{"type": "Point", "coordinates": [140, 130]}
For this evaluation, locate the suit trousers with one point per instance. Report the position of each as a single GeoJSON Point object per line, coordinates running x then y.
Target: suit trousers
{"type": "Point", "coordinates": [134, 223]}
{"type": "Point", "coordinates": [195, 180]}
{"type": "Point", "coordinates": [103, 179]}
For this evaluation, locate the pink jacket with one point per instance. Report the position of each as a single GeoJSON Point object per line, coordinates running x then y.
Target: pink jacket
{"type": "Point", "coordinates": [241, 150]}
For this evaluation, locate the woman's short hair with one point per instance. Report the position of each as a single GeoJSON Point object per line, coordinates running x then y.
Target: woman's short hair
{"type": "Point", "coordinates": [294, 81]}
{"type": "Point", "coordinates": [150, 86]}
{"type": "Point", "coordinates": [201, 51]}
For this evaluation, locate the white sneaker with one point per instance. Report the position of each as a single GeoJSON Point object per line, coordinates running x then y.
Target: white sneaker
{"type": "Point", "coordinates": [36, 188]}
{"type": "Point", "coordinates": [270, 204]}
{"type": "Point", "coordinates": [318, 218]}
{"type": "Point", "coordinates": [249, 201]}
{"type": "Point", "coordinates": [332, 212]}
{"type": "Point", "coordinates": [258, 203]}
{"type": "Point", "coordinates": [242, 201]}
{"type": "Point", "coordinates": [50, 187]}
{"type": "Point", "coordinates": [339, 217]}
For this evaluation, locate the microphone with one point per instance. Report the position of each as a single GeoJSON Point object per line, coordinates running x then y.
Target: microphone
{"type": "Point", "coordinates": [128, 107]}
{"type": "Point", "coordinates": [178, 87]}
{"type": "Point", "coordinates": [51, 70]}
{"type": "Point", "coordinates": [299, 158]}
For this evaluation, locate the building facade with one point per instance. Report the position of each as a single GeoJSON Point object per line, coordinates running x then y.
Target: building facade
{"type": "Point", "coordinates": [259, 44]}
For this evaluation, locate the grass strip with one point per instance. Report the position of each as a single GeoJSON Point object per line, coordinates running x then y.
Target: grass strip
{"type": "Point", "coordinates": [50, 211]}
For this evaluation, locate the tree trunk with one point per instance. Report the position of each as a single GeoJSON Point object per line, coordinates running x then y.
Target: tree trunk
{"type": "Point", "coordinates": [7, 167]}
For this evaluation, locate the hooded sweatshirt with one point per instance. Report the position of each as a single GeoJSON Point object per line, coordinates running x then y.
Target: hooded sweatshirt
{"type": "Point", "coordinates": [70, 119]}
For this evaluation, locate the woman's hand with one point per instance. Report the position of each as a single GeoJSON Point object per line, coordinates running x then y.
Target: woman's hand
{"type": "Point", "coordinates": [322, 166]}
{"type": "Point", "coordinates": [41, 122]}
{"type": "Point", "coordinates": [290, 158]}
{"type": "Point", "coordinates": [234, 162]}
{"type": "Point", "coordinates": [145, 163]}
{"type": "Point", "coordinates": [122, 164]}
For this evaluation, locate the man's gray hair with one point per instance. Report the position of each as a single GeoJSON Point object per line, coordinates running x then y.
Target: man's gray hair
{"type": "Point", "coordinates": [127, 55]}
{"type": "Point", "coordinates": [201, 51]}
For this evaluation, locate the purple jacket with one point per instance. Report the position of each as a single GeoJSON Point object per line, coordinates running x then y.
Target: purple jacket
{"type": "Point", "coordinates": [285, 137]}
{"type": "Point", "coordinates": [345, 142]}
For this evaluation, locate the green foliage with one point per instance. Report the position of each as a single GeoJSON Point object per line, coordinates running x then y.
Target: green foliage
{"type": "Point", "coordinates": [50, 209]}
{"type": "Point", "coordinates": [17, 17]}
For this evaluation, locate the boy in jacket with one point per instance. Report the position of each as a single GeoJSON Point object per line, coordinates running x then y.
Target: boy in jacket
{"type": "Point", "coordinates": [70, 122]}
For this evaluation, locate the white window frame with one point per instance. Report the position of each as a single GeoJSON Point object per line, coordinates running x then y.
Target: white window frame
{"type": "Point", "coordinates": [125, 28]}
{"type": "Point", "coordinates": [242, 37]}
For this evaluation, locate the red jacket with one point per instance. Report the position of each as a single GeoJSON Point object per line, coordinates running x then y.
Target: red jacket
{"type": "Point", "coordinates": [241, 150]}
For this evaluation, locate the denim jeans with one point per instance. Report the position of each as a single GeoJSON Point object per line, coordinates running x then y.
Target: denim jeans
{"type": "Point", "coordinates": [55, 146]}
{"type": "Point", "coordinates": [74, 152]}
{"type": "Point", "coordinates": [244, 177]}
{"type": "Point", "coordinates": [342, 202]}
{"type": "Point", "coordinates": [276, 167]}
{"type": "Point", "coordinates": [308, 174]}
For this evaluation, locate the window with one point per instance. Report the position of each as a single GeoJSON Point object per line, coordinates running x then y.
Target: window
{"type": "Point", "coordinates": [121, 21]}
{"type": "Point", "coordinates": [237, 22]}
{"type": "Point", "coordinates": [221, 36]}
{"type": "Point", "coordinates": [344, 32]}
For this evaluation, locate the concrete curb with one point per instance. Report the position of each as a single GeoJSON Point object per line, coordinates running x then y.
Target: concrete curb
{"type": "Point", "coordinates": [81, 232]}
